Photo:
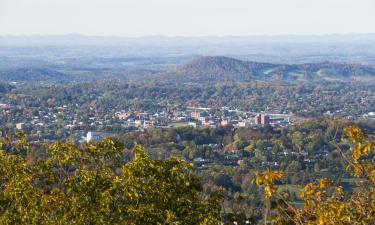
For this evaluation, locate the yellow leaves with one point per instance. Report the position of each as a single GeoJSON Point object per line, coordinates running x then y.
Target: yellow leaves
{"type": "Point", "coordinates": [357, 152]}
{"type": "Point", "coordinates": [267, 179]}
{"type": "Point", "coordinates": [268, 176]}
{"type": "Point", "coordinates": [324, 182]}
{"type": "Point", "coordinates": [139, 153]}
{"type": "Point", "coordinates": [339, 192]}
{"type": "Point", "coordinates": [332, 212]}
{"type": "Point", "coordinates": [269, 190]}
{"type": "Point", "coordinates": [356, 169]}
{"type": "Point", "coordinates": [53, 200]}
{"type": "Point", "coordinates": [319, 196]}
{"type": "Point", "coordinates": [357, 136]}
{"type": "Point", "coordinates": [359, 165]}
{"type": "Point", "coordinates": [259, 180]}
{"type": "Point", "coordinates": [171, 218]}
{"type": "Point", "coordinates": [372, 176]}
{"type": "Point", "coordinates": [354, 133]}
{"type": "Point", "coordinates": [308, 191]}
{"type": "Point", "coordinates": [15, 143]}
{"type": "Point", "coordinates": [325, 204]}
{"type": "Point", "coordinates": [321, 221]}
{"type": "Point", "coordinates": [319, 208]}
{"type": "Point", "coordinates": [360, 150]}
{"type": "Point", "coordinates": [316, 191]}
{"type": "Point", "coordinates": [368, 168]}
{"type": "Point", "coordinates": [64, 153]}
{"type": "Point", "coordinates": [368, 148]}
{"type": "Point", "coordinates": [73, 185]}
{"type": "Point", "coordinates": [117, 181]}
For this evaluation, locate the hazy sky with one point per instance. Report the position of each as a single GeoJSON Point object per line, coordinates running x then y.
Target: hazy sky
{"type": "Point", "coordinates": [186, 17]}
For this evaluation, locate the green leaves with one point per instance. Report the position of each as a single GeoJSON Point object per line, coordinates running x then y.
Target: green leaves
{"type": "Point", "coordinates": [92, 185]}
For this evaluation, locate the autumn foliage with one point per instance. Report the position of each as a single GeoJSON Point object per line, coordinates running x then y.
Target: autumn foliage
{"type": "Point", "coordinates": [94, 184]}
{"type": "Point", "coordinates": [323, 202]}
{"type": "Point", "coordinates": [97, 183]}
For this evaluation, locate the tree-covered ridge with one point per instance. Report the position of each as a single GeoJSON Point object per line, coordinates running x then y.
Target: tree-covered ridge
{"type": "Point", "coordinates": [95, 184]}
{"type": "Point", "coordinates": [219, 68]}
{"type": "Point", "coordinates": [87, 68]}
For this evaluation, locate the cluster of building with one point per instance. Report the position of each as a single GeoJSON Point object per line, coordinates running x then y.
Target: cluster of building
{"type": "Point", "coordinates": [201, 117]}
{"type": "Point", "coordinates": [65, 121]}
{"type": "Point", "coordinates": [194, 117]}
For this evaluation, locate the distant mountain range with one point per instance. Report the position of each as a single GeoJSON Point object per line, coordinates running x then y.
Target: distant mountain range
{"type": "Point", "coordinates": [213, 69]}
{"type": "Point", "coordinates": [358, 48]}
{"type": "Point", "coordinates": [203, 69]}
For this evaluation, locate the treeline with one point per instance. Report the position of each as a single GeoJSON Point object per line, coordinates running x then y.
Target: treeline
{"type": "Point", "coordinates": [312, 100]}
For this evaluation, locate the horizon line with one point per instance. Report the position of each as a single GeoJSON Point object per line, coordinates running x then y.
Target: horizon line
{"type": "Point", "coordinates": [192, 36]}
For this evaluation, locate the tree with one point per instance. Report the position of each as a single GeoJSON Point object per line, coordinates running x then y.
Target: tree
{"type": "Point", "coordinates": [325, 203]}
{"type": "Point", "coordinates": [92, 184]}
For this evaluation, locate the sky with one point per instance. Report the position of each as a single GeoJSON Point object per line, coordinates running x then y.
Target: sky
{"type": "Point", "coordinates": [132, 18]}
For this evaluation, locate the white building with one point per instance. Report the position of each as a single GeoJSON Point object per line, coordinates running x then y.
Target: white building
{"type": "Point", "coordinates": [20, 126]}
{"type": "Point", "coordinates": [95, 136]}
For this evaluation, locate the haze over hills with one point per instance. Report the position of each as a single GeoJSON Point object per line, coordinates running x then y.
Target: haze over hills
{"type": "Point", "coordinates": [357, 48]}
{"type": "Point", "coordinates": [203, 69]}
{"type": "Point", "coordinates": [32, 75]}
{"type": "Point", "coordinates": [210, 69]}
{"type": "Point", "coordinates": [66, 58]}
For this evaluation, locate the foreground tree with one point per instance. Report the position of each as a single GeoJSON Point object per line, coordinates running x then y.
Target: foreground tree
{"type": "Point", "coordinates": [95, 185]}
{"type": "Point", "coordinates": [325, 203]}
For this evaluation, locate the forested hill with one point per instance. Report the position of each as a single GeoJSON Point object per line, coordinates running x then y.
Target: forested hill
{"type": "Point", "coordinates": [221, 68]}
{"type": "Point", "coordinates": [205, 69]}
{"type": "Point", "coordinates": [33, 75]}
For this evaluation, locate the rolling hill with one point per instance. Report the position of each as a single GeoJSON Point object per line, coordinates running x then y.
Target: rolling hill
{"type": "Point", "coordinates": [219, 68]}
{"type": "Point", "coordinates": [32, 74]}
{"type": "Point", "coordinates": [204, 69]}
